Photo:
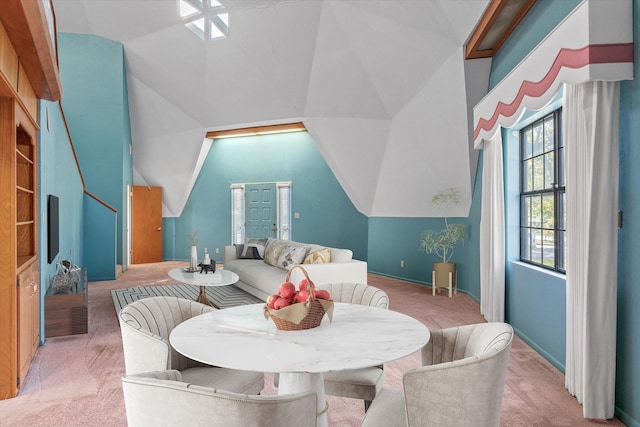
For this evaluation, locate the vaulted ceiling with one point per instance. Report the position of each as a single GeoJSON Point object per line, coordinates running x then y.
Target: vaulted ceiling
{"type": "Point", "coordinates": [382, 87]}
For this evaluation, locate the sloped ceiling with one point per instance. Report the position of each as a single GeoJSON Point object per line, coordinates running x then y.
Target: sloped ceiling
{"type": "Point", "coordinates": [381, 85]}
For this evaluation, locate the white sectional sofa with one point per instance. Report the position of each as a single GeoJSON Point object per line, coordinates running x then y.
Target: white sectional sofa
{"type": "Point", "coordinates": [261, 274]}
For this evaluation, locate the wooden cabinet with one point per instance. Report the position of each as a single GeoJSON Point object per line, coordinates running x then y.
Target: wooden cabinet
{"type": "Point", "coordinates": [29, 318]}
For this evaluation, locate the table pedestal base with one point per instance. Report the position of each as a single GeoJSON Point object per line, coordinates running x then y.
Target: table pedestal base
{"type": "Point", "coordinates": [296, 382]}
{"type": "Point", "coordinates": [203, 299]}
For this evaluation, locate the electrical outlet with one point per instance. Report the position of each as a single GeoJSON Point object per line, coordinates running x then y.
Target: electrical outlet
{"type": "Point", "coordinates": [401, 264]}
{"type": "Point", "coordinates": [217, 250]}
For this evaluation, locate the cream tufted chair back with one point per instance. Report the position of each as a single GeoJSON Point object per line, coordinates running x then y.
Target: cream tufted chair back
{"type": "Point", "coordinates": [357, 293]}
{"type": "Point", "coordinates": [165, 399]}
{"type": "Point", "coordinates": [146, 325]}
{"type": "Point", "coordinates": [461, 382]}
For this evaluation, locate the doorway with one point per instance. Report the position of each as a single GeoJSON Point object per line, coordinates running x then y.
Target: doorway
{"type": "Point", "coordinates": [260, 210]}
{"type": "Point", "coordinates": [146, 227]}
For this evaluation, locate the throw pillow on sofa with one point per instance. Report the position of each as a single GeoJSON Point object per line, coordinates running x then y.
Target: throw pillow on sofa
{"type": "Point", "coordinates": [273, 250]}
{"type": "Point", "coordinates": [318, 257]}
{"type": "Point", "coordinates": [291, 255]}
{"type": "Point", "coordinates": [253, 249]}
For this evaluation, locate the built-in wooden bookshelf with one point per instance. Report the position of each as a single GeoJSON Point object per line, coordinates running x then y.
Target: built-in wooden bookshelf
{"type": "Point", "coordinates": [26, 215]}
{"type": "Point", "coordinates": [28, 72]}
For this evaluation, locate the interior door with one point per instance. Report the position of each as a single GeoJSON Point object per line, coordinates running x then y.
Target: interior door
{"type": "Point", "coordinates": [146, 224]}
{"type": "Point", "coordinates": [261, 211]}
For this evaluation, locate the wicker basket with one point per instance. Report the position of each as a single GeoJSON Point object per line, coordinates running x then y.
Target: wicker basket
{"type": "Point", "coordinates": [314, 309]}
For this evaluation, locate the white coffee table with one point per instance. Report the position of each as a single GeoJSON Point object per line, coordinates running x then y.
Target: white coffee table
{"type": "Point", "coordinates": [241, 338]}
{"type": "Point", "coordinates": [221, 277]}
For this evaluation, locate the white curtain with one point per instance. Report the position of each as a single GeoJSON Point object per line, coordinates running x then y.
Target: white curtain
{"type": "Point", "coordinates": [492, 251]}
{"type": "Point", "coordinates": [590, 120]}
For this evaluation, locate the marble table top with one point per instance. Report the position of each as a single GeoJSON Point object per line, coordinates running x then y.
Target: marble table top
{"type": "Point", "coordinates": [221, 277]}
{"type": "Point", "coordinates": [241, 338]}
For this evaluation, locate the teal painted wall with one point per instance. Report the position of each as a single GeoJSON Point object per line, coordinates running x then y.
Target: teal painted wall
{"type": "Point", "coordinates": [536, 301]}
{"type": "Point", "coordinates": [392, 240]}
{"type": "Point", "coordinates": [102, 247]}
{"type": "Point", "coordinates": [95, 102]}
{"type": "Point", "coordinates": [327, 216]}
{"type": "Point", "coordinates": [628, 337]}
{"type": "Point", "coordinates": [59, 176]}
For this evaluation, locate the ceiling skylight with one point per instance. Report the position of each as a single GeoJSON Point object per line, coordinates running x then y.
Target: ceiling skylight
{"type": "Point", "coordinates": [208, 19]}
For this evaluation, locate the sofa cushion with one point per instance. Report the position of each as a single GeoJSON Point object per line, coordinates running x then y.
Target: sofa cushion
{"type": "Point", "coordinates": [341, 255]}
{"type": "Point", "coordinates": [321, 256]}
{"type": "Point", "coordinates": [257, 274]}
{"type": "Point", "coordinates": [291, 255]}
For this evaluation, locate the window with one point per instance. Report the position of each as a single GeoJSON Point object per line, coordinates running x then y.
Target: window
{"type": "Point", "coordinates": [282, 215]}
{"type": "Point", "coordinates": [208, 19]}
{"type": "Point", "coordinates": [542, 193]}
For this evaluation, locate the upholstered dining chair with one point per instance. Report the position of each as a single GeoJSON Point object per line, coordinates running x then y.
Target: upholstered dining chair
{"type": "Point", "coordinates": [461, 382]}
{"type": "Point", "coordinates": [145, 325]}
{"type": "Point", "coordinates": [362, 383]}
{"type": "Point", "coordinates": [162, 399]}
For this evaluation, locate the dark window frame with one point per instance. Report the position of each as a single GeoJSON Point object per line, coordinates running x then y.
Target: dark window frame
{"type": "Point", "coordinates": [543, 242]}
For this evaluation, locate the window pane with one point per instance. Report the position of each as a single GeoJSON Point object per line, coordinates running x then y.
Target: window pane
{"type": "Point", "coordinates": [527, 144]}
{"type": "Point", "coordinates": [538, 173]}
{"type": "Point", "coordinates": [537, 140]}
{"type": "Point", "coordinates": [527, 179]}
{"type": "Point", "coordinates": [548, 248]}
{"type": "Point", "coordinates": [536, 211]}
{"type": "Point", "coordinates": [549, 179]}
{"type": "Point", "coordinates": [548, 211]}
{"type": "Point", "coordinates": [562, 214]}
{"type": "Point", "coordinates": [536, 250]}
{"type": "Point", "coordinates": [562, 250]}
{"type": "Point", "coordinates": [549, 133]}
{"type": "Point", "coordinates": [284, 212]}
{"type": "Point", "coordinates": [237, 215]}
{"type": "Point", "coordinates": [525, 214]}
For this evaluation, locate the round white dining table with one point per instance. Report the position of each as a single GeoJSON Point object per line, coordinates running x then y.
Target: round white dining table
{"type": "Point", "coordinates": [242, 338]}
{"type": "Point", "coordinates": [220, 277]}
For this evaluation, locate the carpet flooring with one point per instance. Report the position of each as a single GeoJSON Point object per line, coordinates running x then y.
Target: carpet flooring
{"type": "Point", "coordinates": [221, 296]}
{"type": "Point", "coordinates": [76, 380]}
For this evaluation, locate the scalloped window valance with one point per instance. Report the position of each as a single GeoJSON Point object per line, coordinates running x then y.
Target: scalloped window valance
{"type": "Point", "coordinates": [593, 43]}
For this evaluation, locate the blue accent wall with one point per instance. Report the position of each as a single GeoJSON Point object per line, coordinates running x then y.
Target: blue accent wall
{"type": "Point", "coordinates": [628, 337]}
{"type": "Point", "coordinates": [327, 216]}
{"type": "Point", "coordinates": [100, 243]}
{"type": "Point", "coordinates": [392, 240]}
{"type": "Point", "coordinates": [95, 102]}
{"type": "Point", "coordinates": [58, 176]}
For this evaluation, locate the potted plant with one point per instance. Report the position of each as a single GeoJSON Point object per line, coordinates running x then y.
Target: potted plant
{"type": "Point", "coordinates": [443, 242]}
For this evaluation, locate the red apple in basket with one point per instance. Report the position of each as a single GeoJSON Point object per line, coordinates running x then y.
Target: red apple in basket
{"type": "Point", "coordinates": [281, 302]}
{"type": "Point", "coordinates": [271, 299]}
{"type": "Point", "coordinates": [323, 294]}
{"type": "Point", "coordinates": [286, 290]}
{"type": "Point", "coordinates": [304, 283]}
{"type": "Point", "coordinates": [302, 295]}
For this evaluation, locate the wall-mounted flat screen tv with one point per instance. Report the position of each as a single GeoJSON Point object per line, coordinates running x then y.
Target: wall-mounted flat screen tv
{"type": "Point", "coordinates": [53, 231]}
